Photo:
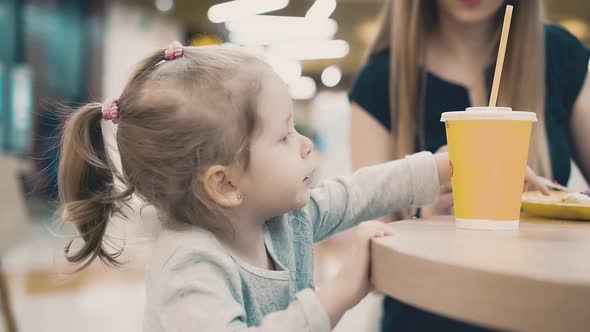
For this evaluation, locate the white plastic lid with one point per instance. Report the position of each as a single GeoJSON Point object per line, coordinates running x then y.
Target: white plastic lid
{"type": "Point", "coordinates": [488, 113]}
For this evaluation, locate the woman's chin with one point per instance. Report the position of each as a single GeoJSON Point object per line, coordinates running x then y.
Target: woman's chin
{"type": "Point", "coordinates": [472, 17]}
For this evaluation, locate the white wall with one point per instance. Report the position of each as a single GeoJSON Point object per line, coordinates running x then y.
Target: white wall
{"type": "Point", "coordinates": [131, 34]}
{"type": "Point", "coordinates": [577, 181]}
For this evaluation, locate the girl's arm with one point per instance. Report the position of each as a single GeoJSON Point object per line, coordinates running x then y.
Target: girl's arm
{"type": "Point", "coordinates": [375, 191]}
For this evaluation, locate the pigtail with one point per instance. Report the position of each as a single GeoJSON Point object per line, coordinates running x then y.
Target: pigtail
{"type": "Point", "coordinates": [86, 184]}
{"type": "Point", "coordinates": [86, 177]}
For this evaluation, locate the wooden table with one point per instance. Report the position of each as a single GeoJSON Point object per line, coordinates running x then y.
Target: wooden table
{"type": "Point", "coordinates": [533, 279]}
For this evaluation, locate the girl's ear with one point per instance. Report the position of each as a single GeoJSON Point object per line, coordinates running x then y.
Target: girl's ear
{"type": "Point", "coordinates": [219, 187]}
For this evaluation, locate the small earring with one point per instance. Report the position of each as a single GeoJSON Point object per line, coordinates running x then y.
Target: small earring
{"type": "Point", "coordinates": [240, 196]}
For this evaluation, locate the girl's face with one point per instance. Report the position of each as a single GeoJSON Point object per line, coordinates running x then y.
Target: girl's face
{"type": "Point", "coordinates": [470, 11]}
{"type": "Point", "coordinates": [281, 165]}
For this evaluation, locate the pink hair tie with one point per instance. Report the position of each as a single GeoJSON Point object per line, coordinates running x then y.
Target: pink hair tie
{"type": "Point", "coordinates": [173, 51]}
{"type": "Point", "coordinates": [110, 110]}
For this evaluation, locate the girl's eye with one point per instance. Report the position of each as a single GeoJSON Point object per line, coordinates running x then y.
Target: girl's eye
{"type": "Point", "coordinates": [285, 139]}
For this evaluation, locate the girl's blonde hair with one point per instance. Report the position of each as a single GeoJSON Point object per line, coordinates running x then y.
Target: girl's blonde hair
{"type": "Point", "coordinates": [403, 29]}
{"type": "Point", "coordinates": [177, 118]}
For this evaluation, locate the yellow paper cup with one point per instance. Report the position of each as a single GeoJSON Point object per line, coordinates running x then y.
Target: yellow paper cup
{"type": "Point", "coordinates": [488, 150]}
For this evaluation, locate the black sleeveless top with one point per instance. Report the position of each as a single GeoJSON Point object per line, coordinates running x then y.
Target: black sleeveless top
{"type": "Point", "coordinates": [566, 68]}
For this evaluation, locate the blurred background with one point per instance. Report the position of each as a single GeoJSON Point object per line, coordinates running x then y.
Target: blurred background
{"type": "Point", "coordinates": [60, 53]}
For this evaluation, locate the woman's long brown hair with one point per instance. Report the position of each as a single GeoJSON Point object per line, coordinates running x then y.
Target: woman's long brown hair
{"type": "Point", "coordinates": [403, 28]}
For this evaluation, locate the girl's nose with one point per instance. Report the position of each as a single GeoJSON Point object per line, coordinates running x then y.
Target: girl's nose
{"type": "Point", "coordinates": [306, 147]}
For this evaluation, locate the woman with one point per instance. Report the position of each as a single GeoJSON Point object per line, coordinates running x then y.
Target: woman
{"type": "Point", "coordinates": [435, 56]}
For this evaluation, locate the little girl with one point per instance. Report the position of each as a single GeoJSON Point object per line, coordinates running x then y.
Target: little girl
{"type": "Point", "coordinates": [206, 136]}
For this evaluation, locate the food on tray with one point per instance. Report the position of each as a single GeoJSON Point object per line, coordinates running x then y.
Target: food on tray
{"type": "Point", "coordinates": [577, 198]}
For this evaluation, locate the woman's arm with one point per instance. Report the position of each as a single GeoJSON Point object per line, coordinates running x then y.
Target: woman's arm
{"type": "Point", "coordinates": [370, 142]}
{"type": "Point", "coordinates": [580, 129]}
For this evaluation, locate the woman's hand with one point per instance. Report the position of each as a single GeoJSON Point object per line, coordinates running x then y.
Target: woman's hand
{"type": "Point", "coordinates": [531, 179]}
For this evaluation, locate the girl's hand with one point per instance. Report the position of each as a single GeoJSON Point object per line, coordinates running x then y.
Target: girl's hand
{"type": "Point", "coordinates": [444, 203]}
{"type": "Point", "coordinates": [443, 206]}
{"type": "Point", "coordinates": [355, 271]}
{"type": "Point", "coordinates": [352, 283]}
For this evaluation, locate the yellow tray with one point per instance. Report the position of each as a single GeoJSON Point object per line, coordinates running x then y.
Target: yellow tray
{"type": "Point", "coordinates": [534, 203]}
